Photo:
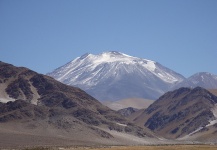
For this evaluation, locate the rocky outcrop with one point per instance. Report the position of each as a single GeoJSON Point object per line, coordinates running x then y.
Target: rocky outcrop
{"type": "Point", "coordinates": [127, 111]}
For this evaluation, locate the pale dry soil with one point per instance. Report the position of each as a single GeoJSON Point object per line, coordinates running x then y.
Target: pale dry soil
{"type": "Point", "coordinates": [164, 147]}
{"type": "Point", "coordinates": [155, 147]}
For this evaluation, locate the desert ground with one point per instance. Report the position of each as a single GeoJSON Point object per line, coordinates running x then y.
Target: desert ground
{"type": "Point", "coordinates": [169, 147]}
{"type": "Point", "coordinates": [155, 147]}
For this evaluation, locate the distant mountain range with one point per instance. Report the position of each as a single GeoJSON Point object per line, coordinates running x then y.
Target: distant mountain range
{"type": "Point", "coordinates": [202, 79]}
{"type": "Point", "coordinates": [114, 76]}
{"type": "Point", "coordinates": [37, 106]}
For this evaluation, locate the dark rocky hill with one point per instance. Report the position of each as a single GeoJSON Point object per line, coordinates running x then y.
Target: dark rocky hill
{"type": "Point", "coordinates": [33, 99]}
{"type": "Point", "coordinates": [181, 114]}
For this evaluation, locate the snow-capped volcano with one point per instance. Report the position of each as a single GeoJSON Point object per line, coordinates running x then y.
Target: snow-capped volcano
{"type": "Point", "coordinates": [114, 75]}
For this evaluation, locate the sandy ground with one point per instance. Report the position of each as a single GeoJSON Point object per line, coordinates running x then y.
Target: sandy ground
{"type": "Point", "coordinates": [138, 103]}
{"type": "Point", "coordinates": [166, 147]}
{"type": "Point", "coordinates": [147, 147]}
{"type": "Point", "coordinates": [13, 135]}
{"type": "Point", "coordinates": [213, 91]}
{"type": "Point", "coordinates": [37, 134]}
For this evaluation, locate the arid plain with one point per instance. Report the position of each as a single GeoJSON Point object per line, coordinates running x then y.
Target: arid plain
{"type": "Point", "coordinates": [155, 147]}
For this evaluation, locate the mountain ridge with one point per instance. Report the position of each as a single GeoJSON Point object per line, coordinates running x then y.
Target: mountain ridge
{"type": "Point", "coordinates": [183, 113]}
{"type": "Point", "coordinates": [203, 79]}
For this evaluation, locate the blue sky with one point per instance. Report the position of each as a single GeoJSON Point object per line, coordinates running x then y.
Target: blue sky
{"type": "Point", "coordinates": [45, 34]}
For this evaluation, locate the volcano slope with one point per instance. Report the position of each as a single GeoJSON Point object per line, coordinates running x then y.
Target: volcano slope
{"type": "Point", "coordinates": [112, 76]}
{"type": "Point", "coordinates": [36, 110]}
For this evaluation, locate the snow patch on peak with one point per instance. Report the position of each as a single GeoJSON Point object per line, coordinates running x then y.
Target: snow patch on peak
{"type": "Point", "coordinates": [110, 57]}
{"type": "Point", "coordinates": [117, 57]}
{"type": "Point", "coordinates": [150, 65]}
{"type": "Point", "coordinates": [214, 111]}
{"type": "Point", "coordinates": [202, 74]}
{"type": "Point", "coordinates": [112, 53]}
{"type": "Point", "coordinates": [127, 55]}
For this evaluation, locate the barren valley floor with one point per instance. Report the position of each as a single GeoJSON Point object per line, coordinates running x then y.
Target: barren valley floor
{"type": "Point", "coordinates": [166, 147]}
{"type": "Point", "coordinates": [155, 147]}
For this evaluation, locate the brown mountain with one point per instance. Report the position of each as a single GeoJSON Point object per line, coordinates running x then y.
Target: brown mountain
{"type": "Point", "coordinates": [37, 110]}
{"type": "Point", "coordinates": [182, 114]}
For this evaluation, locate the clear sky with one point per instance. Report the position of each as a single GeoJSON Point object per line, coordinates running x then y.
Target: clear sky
{"type": "Point", "coordinates": [45, 34]}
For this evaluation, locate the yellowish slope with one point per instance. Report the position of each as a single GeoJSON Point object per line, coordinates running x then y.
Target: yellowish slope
{"type": "Point", "coordinates": [213, 91]}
